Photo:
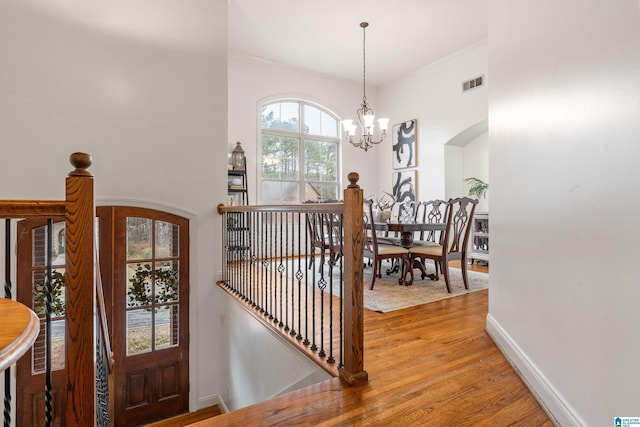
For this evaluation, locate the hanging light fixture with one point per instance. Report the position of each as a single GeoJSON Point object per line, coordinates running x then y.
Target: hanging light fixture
{"type": "Point", "coordinates": [364, 114]}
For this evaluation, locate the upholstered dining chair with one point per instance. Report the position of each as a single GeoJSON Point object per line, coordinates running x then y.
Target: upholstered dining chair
{"type": "Point", "coordinates": [377, 251]}
{"type": "Point", "coordinates": [453, 244]}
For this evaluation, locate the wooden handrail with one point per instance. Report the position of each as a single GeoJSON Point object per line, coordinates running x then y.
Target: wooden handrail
{"type": "Point", "coordinates": [16, 209]}
{"type": "Point", "coordinates": [306, 207]}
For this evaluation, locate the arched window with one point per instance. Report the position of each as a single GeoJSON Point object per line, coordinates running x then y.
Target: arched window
{"type": "Point", "coordinates": [299, 153]}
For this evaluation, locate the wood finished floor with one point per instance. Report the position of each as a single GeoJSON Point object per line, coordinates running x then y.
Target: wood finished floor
{"type": "Point", "coordinates": [429, 365]}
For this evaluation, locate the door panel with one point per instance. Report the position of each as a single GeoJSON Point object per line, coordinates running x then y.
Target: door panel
{"type": "Point", "coordinates": [150, 297]}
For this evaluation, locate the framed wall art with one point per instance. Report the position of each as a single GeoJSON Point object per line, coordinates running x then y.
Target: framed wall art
{"type": "Point", "coordinates": [404, 186]}
{"type": "Point", "coordinates": [404, 137]}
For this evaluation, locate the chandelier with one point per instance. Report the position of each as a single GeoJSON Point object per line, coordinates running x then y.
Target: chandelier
{"type": "Point", "coordinates": [364, 114]}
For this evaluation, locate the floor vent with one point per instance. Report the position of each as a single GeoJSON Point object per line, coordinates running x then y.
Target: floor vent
{"type": "Point", "coordinates": [473, 83]}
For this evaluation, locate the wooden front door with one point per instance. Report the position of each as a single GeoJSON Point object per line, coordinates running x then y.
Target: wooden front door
{"type": "Point", "coordinates": [150, 298]}
{"type": "Point", "coordinates": [31, 273]}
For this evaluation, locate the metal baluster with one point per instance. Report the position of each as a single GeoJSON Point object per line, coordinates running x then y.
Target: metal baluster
{"type": "Point", "coordinates": [286, 287]}
{"type": "Point", "coordinates": [306, 286]}
{"type": "Point", "coordinates": [7, 294]}
{"type": "Point", "coordinates": [299, 278]}
{"type": "Point", "coordinates": [48, 407]}
{"type": "Point", "coordinates": [341, 234]}
{"type": "Point", "coordinates": [330, 220]}
{"type": "Point", "coordinates": [278, 296]}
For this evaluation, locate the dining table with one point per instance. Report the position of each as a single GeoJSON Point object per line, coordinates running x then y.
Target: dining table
{"type": "Point", "coordinates": [407, 230]}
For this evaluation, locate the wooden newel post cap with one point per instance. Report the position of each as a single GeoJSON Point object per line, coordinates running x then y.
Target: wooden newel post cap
{"type": "Point", "coordinates": [81, 162]}
{"type": "Point", "coordinates": [353, 178]}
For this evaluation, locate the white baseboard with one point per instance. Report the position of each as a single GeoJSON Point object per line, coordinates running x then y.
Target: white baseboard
{"type": "Point", "coordinates": [558, 409]}
{"type": "Point", "coordinates": [215, 399]}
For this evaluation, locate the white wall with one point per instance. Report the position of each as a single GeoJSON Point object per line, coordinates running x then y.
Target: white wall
{"type": "Point", "coordinates": [476, 164]}
{"type": "Point", "coordinates": [464, 160]}
{"type": "Point", "coordinates": [563, 132]}
{"type": "Point", "coordinates": [261, 363]}
{"type": "Point", "coordinates": [433, 95]}
{"type": "Point", "coordinates": [147, 98]}
{"type": "Point", "coordinates": [252, 81]}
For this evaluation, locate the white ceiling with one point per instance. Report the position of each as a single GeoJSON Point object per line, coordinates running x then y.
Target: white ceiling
{"type": "Point", "coordinates": [324, 36]}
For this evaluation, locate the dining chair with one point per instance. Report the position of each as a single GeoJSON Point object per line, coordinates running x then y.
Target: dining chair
{"type": "Point", "coordinates": [431, 211]}
{"type": "Point", "coordinates": [404, 212]}
{"type": "Point", "coordinates": [377, 252]}
{"type": "Point", "coordinates": [324, 235]}
{"type": "Point", "coordinates": [454, 242]}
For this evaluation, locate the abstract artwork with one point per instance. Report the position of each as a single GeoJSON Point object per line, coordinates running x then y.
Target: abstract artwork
{"type": "Point", "coordinates": [404, 144]}
{"type": "Point", "coordinates": [404, 186]}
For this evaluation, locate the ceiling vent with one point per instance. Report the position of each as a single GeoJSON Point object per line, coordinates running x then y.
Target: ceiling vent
{"type": "Point", "coordinates": [473, 83]}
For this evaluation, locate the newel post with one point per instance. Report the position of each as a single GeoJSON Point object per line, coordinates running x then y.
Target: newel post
{"type": "Point", "coordinates": [353, 370]}
{"type": "Point", "coordinates": [80, 297]}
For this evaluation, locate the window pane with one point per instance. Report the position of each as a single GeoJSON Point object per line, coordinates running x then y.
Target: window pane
{"type": "Point", "coordinates": [320, 161]}
{"type": "Point", "coordinates": [139, 331]}
{"type": "Point", "coordinates": [167, 284]}
{"type": "Point", "coordinates": [319, 191]}
{"type": "Point", "coordinates": [138, 238]}
{"type": "Point", "coordinates": [312, 124]}
{"type": "Point", "coordinates": [167, 239]}
{"type": "Point", "coordinates": [318, 122]}
{"type": "Point", "coordinates": [274, 192]}
{"type": "Point", "coordinates": [329, 125]}
{"type": "Point", "coordinates": [280, 157]}
{"type": "Point", "coordinates": [138, 284]}
{"type": "Point", "coordinates": [167, 326]}
{"type": "Point", "coordinates": [281, 115]}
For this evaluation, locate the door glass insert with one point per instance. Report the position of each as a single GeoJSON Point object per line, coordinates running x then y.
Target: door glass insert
{"type": "Point", "coordinates": [153, 285]}
{"type": "Point", "coordinates": [139, 331]}
{"type": "Point", "coordinates": [167, 326]}
{"type": "Point", "coordinates": [167, 239]}
{"type": "Point", "coordinates": [138, 238]}
{"type": "Point", "coordinates": [39, 288]}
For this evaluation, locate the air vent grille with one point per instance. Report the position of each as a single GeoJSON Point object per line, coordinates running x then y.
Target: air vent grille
{"type": "Point", "coordinates": [473, 83]}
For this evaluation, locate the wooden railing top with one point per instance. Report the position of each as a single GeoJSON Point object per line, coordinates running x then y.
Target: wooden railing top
{"type": "Point", "coordinates": [304, 207]}
{"type": "Point", "coordinates": [30, 208]}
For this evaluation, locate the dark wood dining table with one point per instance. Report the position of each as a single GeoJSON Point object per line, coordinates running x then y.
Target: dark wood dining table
{"type": "Point", "coordinates": [407, 231]}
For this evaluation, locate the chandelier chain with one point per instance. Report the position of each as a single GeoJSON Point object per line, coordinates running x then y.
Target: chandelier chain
{"type": "Point", "coordinates": [364, 62]}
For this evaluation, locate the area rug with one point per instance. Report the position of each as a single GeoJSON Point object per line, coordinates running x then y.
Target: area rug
{"type": "Point", "coordinates": [388, 296]}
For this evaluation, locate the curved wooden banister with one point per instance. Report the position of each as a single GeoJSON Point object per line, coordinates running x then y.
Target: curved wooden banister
{"type": "Point", "coordinates": [18, 331]}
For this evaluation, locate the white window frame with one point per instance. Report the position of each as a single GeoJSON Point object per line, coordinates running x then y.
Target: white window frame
{"type": "Point", "coordinates": [301, 136]}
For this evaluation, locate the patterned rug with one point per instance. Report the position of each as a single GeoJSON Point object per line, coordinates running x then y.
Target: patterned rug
{"type": "Point", "coordinates": [388, 296]}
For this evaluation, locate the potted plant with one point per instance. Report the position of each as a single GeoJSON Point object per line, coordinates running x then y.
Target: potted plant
{"type": "Point", "coordinates": [478, 188]}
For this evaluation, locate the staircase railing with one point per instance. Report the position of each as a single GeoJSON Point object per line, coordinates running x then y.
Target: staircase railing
{"type": "Point", "coordinates": [270, 263]}
{"type": "Point", "coordinates": [78, 209]}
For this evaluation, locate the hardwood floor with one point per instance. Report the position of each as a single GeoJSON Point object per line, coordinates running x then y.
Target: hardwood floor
{"type": "Point", "coordinates": [429, 365]}
{"type": "Point", "coordinates": [187, 419]}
